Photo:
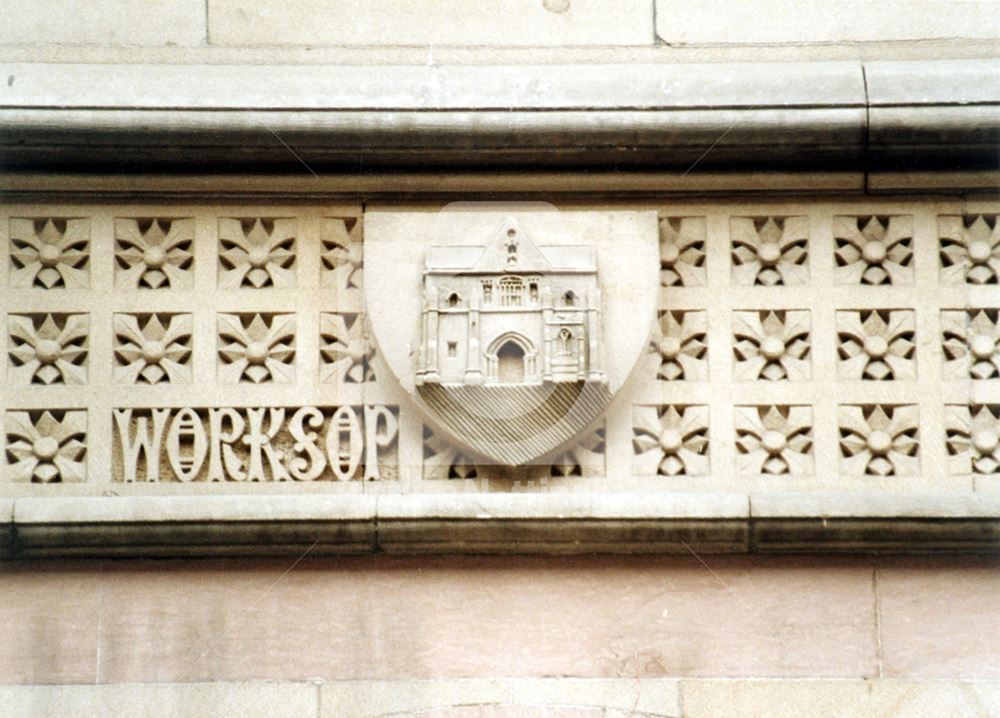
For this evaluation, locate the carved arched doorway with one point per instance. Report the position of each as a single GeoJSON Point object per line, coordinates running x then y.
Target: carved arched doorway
{"type": "Point", "coordinates": [510, 363]}
{"type": "Point", "coordinates": [510, 359]}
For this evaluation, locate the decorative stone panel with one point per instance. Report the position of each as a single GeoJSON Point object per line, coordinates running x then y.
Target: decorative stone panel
{"type": "Point", "coordinates": [154, 253]}
{"type": "Point", "coordinates": [49, 252]}
{"type": "Point", "coordinates": [48, 348]}
{"type": "Point", "coordinates": [814, 345]}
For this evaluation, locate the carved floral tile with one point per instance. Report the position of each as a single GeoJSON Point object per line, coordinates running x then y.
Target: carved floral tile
{"type": "Point", "coordinates": [877, 344]}
{"type": "Point", "coordinates": [153, 348]}
{"type": "Point", "coordinates": [970, 248]}
{"type": "Point", "coordinates": [342, 258]}
{"type": "Point", "coordinates": [47, 446]}
{"type": "Point", "coordinates": [771, 345]}
{"type": "Point", "coordinates": [346, 353]}
{"type": "Point", "coordinates": [971, 343]}
{"type": "Point", "coordinates": [879, 440]}
{"type": "Point", "coordinates": [256, 252]}
{"type": "Point", "coordinates": [873, 249]}
{"type": "Point", "coordinates": [682, 252]}
{"type": "Point", "coordinates": [670, 440]}
{"type": "Point", "coordinates": [48, 348]}
{"type": "Point", "coordinates": [50, 253]}
{"type": "Point", "coordinates": [774, 440]}
{"type": "Point", "coordinates": [257, 348]}
{"type": "Point", "coordinates": [154, 253]}
{"type": "Point", "coordinates": [770, 251]}
{"type": "Point", "coordinates": [681, 343]}
{"type": "Point", "coordinates": [973, 438]}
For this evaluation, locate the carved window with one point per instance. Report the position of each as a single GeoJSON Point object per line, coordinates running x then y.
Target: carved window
{"type": "Point", "coordinates": [564, 341]}
{"type": "Point", "coordinates": [569, 299]}
{"type": "Point", "coordinates": [454, 300]}
{"type": "Point", "coordinates": [511, 291]}
{"type": "Point", "coordinates": [487, 291]}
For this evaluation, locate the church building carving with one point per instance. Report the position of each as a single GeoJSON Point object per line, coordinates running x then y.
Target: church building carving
{"type": "Point", "coordinates": [511, 312]}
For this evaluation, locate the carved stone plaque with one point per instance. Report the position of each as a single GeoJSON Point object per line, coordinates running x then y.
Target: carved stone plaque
{"type": "Point", "coordinates": [511, 330]}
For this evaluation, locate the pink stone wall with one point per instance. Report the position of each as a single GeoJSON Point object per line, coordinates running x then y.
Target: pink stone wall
{"type": "Point", "coordinates": [234, 620]}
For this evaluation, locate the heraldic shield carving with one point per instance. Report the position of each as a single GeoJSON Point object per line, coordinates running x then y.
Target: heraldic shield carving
{"type": "Point", "coordinates": [511, 331]}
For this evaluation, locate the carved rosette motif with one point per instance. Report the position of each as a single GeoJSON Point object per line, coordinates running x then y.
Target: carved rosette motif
{"type": "Point", "coordinates": [874, 250]}
{"type": "Point", "coordinates": [670, 440]}
{"type": "Point", "coordinates": [877, 344]}
{"type": "Point", "coordinates": [48, 348]}
{"type": "Point", "coordinates": [770, 251]}
{"type": "Point", "coordinates": [971, 343]}
{"type": "Point", "coordinates": [257, 348]}
{"type": "Point", "coordinates": [346, 351]}
{"type": "Point", "coordinates": [681, 345]}
{"type": "Point", "coordinates": [46, 447]}
{"type": "Point", "coordinates": [973, 441]}
{"type": "Point", "coordinates": [879, 440]}
{"type": "Point", "coordinates": [256, 252]}
{"type": "Point", "coordinates": [774, 439]}
{"type": "Point", "coordinates": [771, 345]}
{"type": "Point", "coordinates": [153, 348]}
{"type": "Point", "coordinates": [342, 258]}
{"type": "Point", "coordinates": [970, 248]}
{"type": "Point", "coordinates": [682, 252]}
{"type": "Point", "coordinates": [154, 253]}
{"type": "Point", "coordinates": [50, 253]}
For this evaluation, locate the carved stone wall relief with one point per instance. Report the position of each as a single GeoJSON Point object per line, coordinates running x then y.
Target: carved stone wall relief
{"type": "Point", "coordinates": [819, 345]}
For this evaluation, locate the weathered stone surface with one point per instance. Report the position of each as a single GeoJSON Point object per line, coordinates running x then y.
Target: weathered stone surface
{"type": "Point", "coordinates": [49, 621]}
{"type": "Point", "coordinates": [107, 22]}
{"type": "Point", "coordinates": [206, 700]}
{"type": "Point", "coordinates": [774, 21]}
{"type": "Point", "coordinates": [939, 620]}
{"type": "Point", "coordinates": [456, 22]}
{"type": "Point", "coordinates": [840, 698]}
{"type": "Point", "coordinates": [380, 618]}
{"type": "Point", "coordinates": [502, 697]}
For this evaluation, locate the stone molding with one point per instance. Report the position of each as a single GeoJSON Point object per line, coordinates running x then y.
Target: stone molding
{"type": "Point", "coordinates": [553, 523]}
{"type": "Point", "coordinates": [495, 697]}
{"type": "Point", "coordinates": [851, 119]}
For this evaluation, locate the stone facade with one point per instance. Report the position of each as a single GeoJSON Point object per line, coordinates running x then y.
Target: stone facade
{"type": "Point", "coordinates": [191, 369]}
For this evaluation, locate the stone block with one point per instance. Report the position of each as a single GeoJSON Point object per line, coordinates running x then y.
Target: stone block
{"type": "Point", "coordinates": [206, 700]}
{"type": "Point", "coordinates": [840, 699]}
{"type": "Point", "coordinates": [431, 22]}
{"type": "Point", "coordinates": [720, 22]}
{"type": "Point", "coordinates": [942, 620]}
{"type": "Point", "coordinates": [501, 697]}
{"type": "Point", "coordinates": [106, 22]}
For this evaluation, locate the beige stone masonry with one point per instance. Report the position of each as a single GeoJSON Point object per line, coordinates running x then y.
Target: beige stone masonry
{"type": "Point", "coordinates": [431, 22]}
{"type": "Point", "coordinates": [836, 361]}
{"type": "Point", "coordinates": [763, 22]}
{"type": "Point", "coordinates": [504, 697]}
{"type": "Point", "coordinates": [107, 22]}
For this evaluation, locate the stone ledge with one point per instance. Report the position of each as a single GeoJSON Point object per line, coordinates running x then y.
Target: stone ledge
{"type": "Point", "coordinates": [618, 697]}
{"type": "Point", "coordinates": [797, 117]}
{"type": "Point", "coordinates": [551, 523]}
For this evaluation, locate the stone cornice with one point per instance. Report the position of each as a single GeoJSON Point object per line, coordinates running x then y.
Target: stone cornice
{"type": "Point", "coordinates": [550, 523]}
{"type": "Point", "coordinates": [851, 120]}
